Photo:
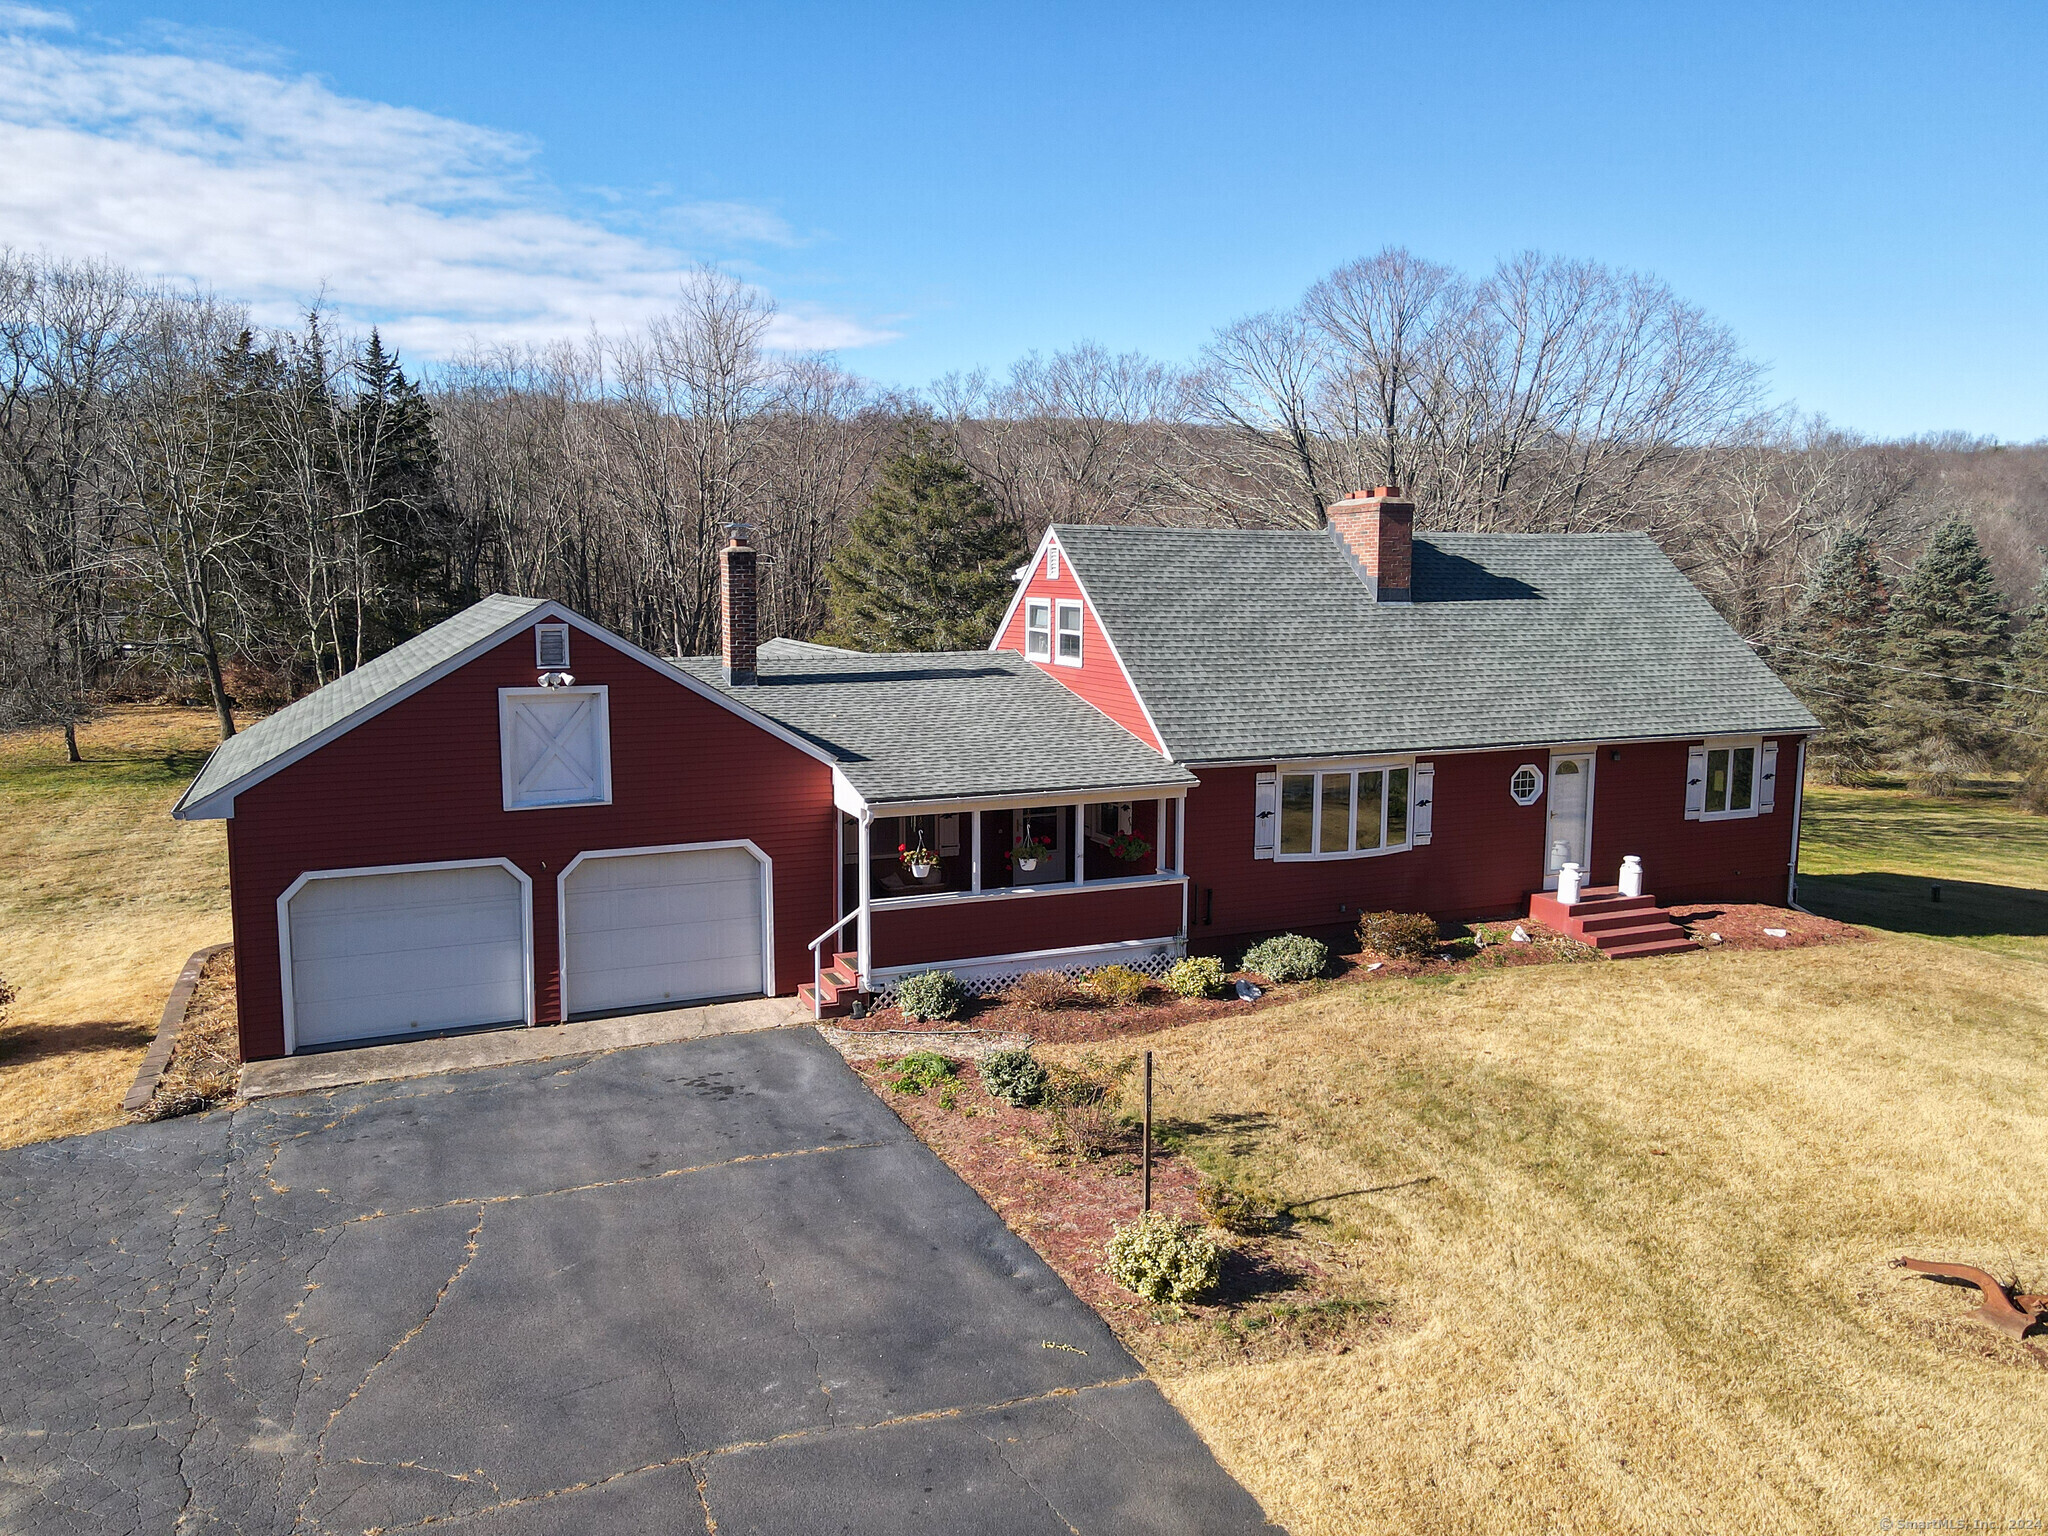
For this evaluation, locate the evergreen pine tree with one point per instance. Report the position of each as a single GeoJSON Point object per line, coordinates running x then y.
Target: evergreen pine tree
{"type": "Point", "coordinates": [2027, 706]}
{"type": "Point", "coordinates": [1946, 643]}
{"type": "Point", "coordinates": [927, 564]}
{"type": "Point", "coordinates": [1829, 657]}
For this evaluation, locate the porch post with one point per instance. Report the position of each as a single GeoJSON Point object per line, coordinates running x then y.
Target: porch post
{"type": "Point", "coordinates": [974, 829]}
{"type": "Point", "coordinates": [1159, 865]}
{"type": "Point", "coordinates": [863, 926]}
{"type": "Point", "coordinates": [1075, 818]}
{"type": "Point", "coordinates": [1180, 835]}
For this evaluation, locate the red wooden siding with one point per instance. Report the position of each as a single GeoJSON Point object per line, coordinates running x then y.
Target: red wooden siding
{"type": "Point", "coordinates": [1639, 808]}
{"type": "Point", "coordinates": [1100, 679]}
{"type": "Point", "coordinates": [1486, 852]}
{"type": "Point", "coordinates": [420, 784]}
{"type": "Point", "coordinates": [969, 930]}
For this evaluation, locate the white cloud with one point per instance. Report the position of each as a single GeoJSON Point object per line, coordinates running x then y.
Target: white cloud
{"type": "Point", "coordinates": [274, 188]}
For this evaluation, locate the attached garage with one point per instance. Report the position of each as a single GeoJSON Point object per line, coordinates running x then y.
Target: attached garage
{"type": "Point", "coordinates": [660, 927]}
{"type": "Point", "coordinates": [375, 953]}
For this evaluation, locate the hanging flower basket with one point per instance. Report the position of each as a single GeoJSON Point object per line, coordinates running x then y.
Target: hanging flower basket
{"type": "Point", "coordinates": [1128, 848]}
{"type": "Point", "coordinates": [1026, 854]}
{"type": "Point", "coordinates": [920, 861]}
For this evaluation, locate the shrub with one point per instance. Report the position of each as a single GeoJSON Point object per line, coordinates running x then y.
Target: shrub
{"type": "Point", "coordinates": [1085, 1121]}
{"type": "Point", "coordinates": [1196, 976]}
{"type": "Point", "coordinates": [6, 999]}
{"type": "Point", "coordinates": [1228, 1209]}
{"type": "Point", "coordinates": [1289, 957]}
{"type": "Point", "coordinates": [1118, 985]}
{"type": "Point", "coordinates": [1043, 991]}
{"type": "Point", "coordinates": [921, 1070]}
{"type": "Point", "coordinates": [1162, 1258]}
{"type": "Point", "coordinates": [930, 996]}
{"type": "Point", "coordinates": [1013, 1077]}
{"type": "Point", "coordinates": [1399, 935]}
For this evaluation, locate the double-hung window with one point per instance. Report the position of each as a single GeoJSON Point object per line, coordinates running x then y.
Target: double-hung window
{"type": "Point", "coordinates": [1730, 778]}
{"type": "Point", "coordinates": [1069, 634]}
{"type": "Point", "coordinates": [1038, 629]}
{"type": "Point", "coordinates": [1344, 813]}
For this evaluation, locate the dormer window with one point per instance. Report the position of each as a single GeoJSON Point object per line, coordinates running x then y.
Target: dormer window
{"type": "Point", "coordinates": [1038, 629]}
{"type": "Point", "coordinates": [1070, 635]}
{"type": "Point", "coordinates": [551, 647]}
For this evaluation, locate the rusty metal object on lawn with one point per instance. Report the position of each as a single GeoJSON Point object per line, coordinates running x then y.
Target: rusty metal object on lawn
{"type": "Point", "coordinates": [2007, 1313]}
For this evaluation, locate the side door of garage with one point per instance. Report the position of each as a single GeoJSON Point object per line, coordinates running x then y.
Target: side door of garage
{"type": "Point", "coordinates": [662, 927]}
{"type": "Point", "coordinates": [372, 954]}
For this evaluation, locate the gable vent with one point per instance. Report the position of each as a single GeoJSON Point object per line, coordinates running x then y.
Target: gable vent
{"type": "Point", "coordinates": [551, 647]}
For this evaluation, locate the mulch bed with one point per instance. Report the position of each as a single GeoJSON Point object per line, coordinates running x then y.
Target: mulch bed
{"type": "Point", "coordinates": [1084, 1021]}
{"type": "Point", "coordinates": [205, 1069]}
{"type": "Point", "coordinates": [1285, 1291]}
{"type": "Point", "coordinates": [1742, 927]}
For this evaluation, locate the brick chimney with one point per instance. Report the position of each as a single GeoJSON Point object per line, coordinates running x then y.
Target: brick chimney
{"type": "Point", "coordinates": [736, 607]}
{"type": "Point", "coordinates": [1376, 530]}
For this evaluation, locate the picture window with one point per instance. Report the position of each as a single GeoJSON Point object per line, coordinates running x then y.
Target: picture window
{"type": "Point", "coordinates": [1344, 813]}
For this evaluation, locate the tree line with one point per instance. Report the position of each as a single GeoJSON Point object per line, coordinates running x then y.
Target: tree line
{"type": "Point", "coordinates": [192, 502]}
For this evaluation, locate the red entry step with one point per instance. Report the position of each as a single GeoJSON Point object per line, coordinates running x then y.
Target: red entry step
{"type": "Point", "coordinates": [1620, 927]}
{"type": "Point", "coordinates": [838, 987]}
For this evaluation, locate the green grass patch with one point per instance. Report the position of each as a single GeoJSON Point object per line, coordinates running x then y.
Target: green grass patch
{"type": "Point", "coordinates": [1877, 856]}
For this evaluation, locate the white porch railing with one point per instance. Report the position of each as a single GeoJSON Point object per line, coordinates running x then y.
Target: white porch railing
{"type": "Point", "coordinates": [818, 964]}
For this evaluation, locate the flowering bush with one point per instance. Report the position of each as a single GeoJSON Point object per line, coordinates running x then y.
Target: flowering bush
{"type": "Point", "coordinates": [930, 996]}
{"type": "Point", "coordinates": [1162, 1258]}
{"type": "Point", "coordinates": [1196, 976]}
{"type": "Point", "coordinates": [1289, 957]}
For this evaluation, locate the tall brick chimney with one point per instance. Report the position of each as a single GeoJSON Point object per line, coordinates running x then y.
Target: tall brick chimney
{"type": "Point", "coordinates": [736, 607]}
{"type": "Point", "coordinates": [1376, 529]}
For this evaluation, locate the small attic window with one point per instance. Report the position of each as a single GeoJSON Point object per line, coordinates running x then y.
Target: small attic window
{"type": "Point", "coordinates": [1038, 629]}
{"type": "Point", "coordinates": [551, 647]}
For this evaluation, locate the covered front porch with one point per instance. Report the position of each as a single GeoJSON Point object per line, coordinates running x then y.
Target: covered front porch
{"type": "Point", "coordinates": [992, 888]}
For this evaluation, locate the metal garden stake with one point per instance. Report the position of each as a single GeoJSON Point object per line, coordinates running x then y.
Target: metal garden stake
{"type": "Point", "coordinates": [1148, 1133]}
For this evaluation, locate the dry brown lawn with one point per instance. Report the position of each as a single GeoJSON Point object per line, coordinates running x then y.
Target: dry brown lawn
{"type": "Point", "coordinates": [1635, 1221]}
{"type": "Point", "coordinates": [102, 897]}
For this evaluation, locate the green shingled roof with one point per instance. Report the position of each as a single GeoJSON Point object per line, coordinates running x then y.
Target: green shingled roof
{"type": "Point", "coordinates": [1266, 645]}
{"type": "Point", "coordinates": [387, 677]}
{"type": "Point", "coordinates": [920, 726]}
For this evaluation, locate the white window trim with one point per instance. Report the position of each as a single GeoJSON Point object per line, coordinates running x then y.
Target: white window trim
{"type": "Point", "coordinates": [1061, 608]}
{"type": "Point", "coordinates": [1715, 744]}
{"type": "Point", "coordinates": [767, 902]}
{"type": "Point", "coordinates": [284, 922]}
{"type": "Point", "coordinates": [1033, 631]}
{"type": "Point", "coordinates": [1285, 771]}
{"type": "Point", "coordinates": [600, 694]}
{"type": "Point", "coordinates": [1536, 794]}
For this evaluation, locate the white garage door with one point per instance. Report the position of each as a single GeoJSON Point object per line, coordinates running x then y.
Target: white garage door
{"type": "Point", "coordinates": [407, 952]}
{"type": "Point", "coordinates": [650, 930]}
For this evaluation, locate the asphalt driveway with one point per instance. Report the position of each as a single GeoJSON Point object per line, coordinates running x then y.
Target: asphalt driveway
{"type": "Point", "coordinates": [709, 1285]}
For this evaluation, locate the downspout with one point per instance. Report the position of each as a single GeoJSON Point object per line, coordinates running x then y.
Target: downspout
{"type": "Point", "coordinates": [1798, 817]}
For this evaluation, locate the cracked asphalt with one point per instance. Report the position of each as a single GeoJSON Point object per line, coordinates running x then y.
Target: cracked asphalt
{"type": "Point", "coordinates": [710, 1286]}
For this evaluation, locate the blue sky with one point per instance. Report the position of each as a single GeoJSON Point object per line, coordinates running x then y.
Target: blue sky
{"type": "Point", "coordinates": [1857, 190]}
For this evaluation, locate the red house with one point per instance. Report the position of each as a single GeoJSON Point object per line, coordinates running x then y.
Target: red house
{"type": "Point", "coordinates": [1179, 738]}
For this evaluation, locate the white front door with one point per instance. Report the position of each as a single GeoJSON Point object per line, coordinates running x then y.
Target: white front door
{"type": "Point", "coordinates": [1567, 839]}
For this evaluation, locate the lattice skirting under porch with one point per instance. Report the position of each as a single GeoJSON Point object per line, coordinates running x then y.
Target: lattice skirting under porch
{"type": "Point", "coordinates": [990, 974]}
